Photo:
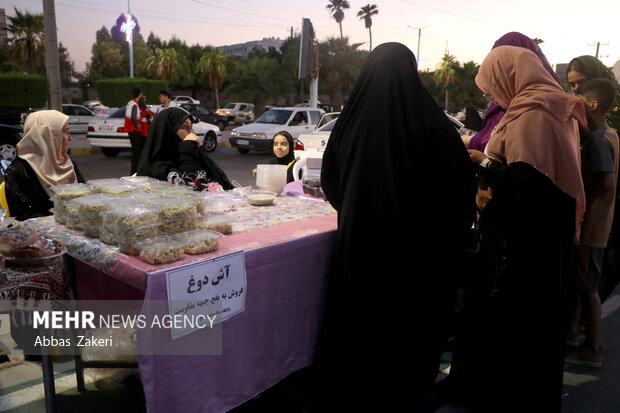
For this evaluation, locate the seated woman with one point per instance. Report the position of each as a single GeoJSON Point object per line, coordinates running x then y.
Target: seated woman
{"type": "Point", "coordinates": [42, 163]}
{"type": "Point", "coordinates": [172, 152]}
{"type": "Point", "coordinates": [282, 147]}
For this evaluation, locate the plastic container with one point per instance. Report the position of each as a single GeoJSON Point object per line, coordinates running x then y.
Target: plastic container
{"type": "Point", "coordinates": [270, 177]}
{"type": "Point", "coordinates": [172, 208]}
{"type": "Point", "coordinates": [106, 236]}
{"type": "Point", "coordinates": [221, 223]}
{"type": "Point", "coordinates": [71, 208]}
{"type": "Point", "coordinates": [90, 208]}
{"type": "Point", "coordinates": [128, 218]}
{"type": "Point", "coordinates": [219, 202]}
{"type": "Point", "coordinates": [172, 226]}
{"type": "Point", "coordinates": [64, 193]}
{"type": "Point", "coordinates": [139, 181]}
{"type": "Point", "coordinates": [199, 241]}
{"type": "Point", "coordinates": [53, 248]}
{"type": "Point", "coordinates": [159, 250]}
{"type": "Point", "coordinates": [112, 186]}
{"type": "Point", "coordinates": [260, 198]}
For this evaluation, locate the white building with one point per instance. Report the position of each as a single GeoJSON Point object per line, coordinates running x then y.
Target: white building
{"type": "Point", "coordinates": [241, 50]}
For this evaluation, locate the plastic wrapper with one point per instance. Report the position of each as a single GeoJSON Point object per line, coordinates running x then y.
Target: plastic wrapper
{"type": "Point", "coordinates": [64, 193]}
{"type": "Point", "coordinates": [218, 222]}
{"type": "Point", "coordinates": [159, 250]}
{"type": "Point", "coordinates": [198, 241]}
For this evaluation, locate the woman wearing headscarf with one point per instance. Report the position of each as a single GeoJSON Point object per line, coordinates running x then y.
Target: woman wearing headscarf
{"type": "Point", "coordinates": [495, 112]}
{"type": "Point", "coordinates": [42, 163]}
{"type": "Point", "coordinates": [390, 289]}
{"type": "Point", "coordinates": [584, 68]}
{"type": "Point", "coordinates": [172, 152]}
{"type": "Point", "coordinates": [533, 168]}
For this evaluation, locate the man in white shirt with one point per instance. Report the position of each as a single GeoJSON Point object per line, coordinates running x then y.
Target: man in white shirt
{"type": "Point", "coordinates": [165, 100]}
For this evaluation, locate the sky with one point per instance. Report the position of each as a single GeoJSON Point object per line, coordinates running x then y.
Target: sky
{"type": "Point", "coordinates": [466, 30]}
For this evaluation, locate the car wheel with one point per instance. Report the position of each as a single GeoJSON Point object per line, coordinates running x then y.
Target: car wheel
{"type": "Point", "coordinates": [210, 141]}
{"type": "Point", "coordinates": [8, 151]}
{"type": "Point", "coordinates": [110, 152]}
{"type": "Point", "coordinates": [243, 150]}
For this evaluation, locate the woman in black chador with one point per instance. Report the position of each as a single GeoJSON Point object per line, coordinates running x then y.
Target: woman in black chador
{"type": "Point", "coordinates": [400, 178]}
{"type": "Point", "coordinates": [172, 152]}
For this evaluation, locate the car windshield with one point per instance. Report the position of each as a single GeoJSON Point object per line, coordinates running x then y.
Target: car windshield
{"type": "Point", "coordinates": [275, 116]}
{"type": "Point", "coordinates": [329, 126]}
{"type": "Point", "coordinates": [118, 113]}
{"type": "Point", "coordinates": [200, 110]}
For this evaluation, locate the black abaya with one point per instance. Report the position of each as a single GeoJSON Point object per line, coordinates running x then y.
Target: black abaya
{"type": "Point", "coordinates": [164, 152]}
{"type": "Point", "coordinates": [403, 185]}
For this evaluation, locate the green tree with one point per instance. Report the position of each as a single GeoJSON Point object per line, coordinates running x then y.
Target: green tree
{"type": "Point", "coordinates": [336, 11]}
{"type": "Point", "coordinates": [213, 63]}
{"type": "Point", "coordinates": [465, 90]}
{"type": "Point", "coordinates": [366, 13]}
{"type": "Point", "coordinates": [67, 68]}
{"type": "Point", "coordinates": [445, 75]}
{"type": "Point", "coordinates": [26, 40]}
{"type": "Point", "coordinates": [258, 80]}
{"type": "Point", "coordinates": [106, 59]}
{"type": "Point", "coordinates": [162, 64]}
{"type": "Point", "coordinates": [340, 64]}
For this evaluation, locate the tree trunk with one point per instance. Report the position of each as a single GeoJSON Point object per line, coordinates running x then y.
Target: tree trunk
{"type": "Point", "coordinates": [370, 35]}
{"type": "Point", "coordinates": [446, 103]}
{"type": "Point", "coordinates": [340, 24]}
{"type": "Point", "coordinates": [217, 98]}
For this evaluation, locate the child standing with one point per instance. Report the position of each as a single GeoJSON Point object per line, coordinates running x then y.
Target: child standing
{"type": "Point", "coordinates": [599, 169]}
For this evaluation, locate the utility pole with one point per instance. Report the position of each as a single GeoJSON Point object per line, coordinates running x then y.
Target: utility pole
{"type": "Point", "coordinates": [598, 45]}
{"type": "Point", "coordinates": [52, 64]}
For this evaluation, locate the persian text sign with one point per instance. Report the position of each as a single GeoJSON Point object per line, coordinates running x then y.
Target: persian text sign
{"type": "Point", "coordinates": [212, 290]}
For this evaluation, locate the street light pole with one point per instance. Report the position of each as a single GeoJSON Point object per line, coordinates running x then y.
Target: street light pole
{"type": "Point", "coordinates": [419, 36]}
{"type": "Point", "coordinates": [130, 39]}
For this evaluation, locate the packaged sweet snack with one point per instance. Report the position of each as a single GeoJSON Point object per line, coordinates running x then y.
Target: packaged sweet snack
{"type": "Point", "coordinates": [198, 241]}
{"type": "Point", "coordinates": [171, 226]}
{"type": "Point", "coordinates": [64, 193]}
{"type": "Point", "coordinates": [113, 186]}
{"type": "Point", "coordinates": [159, 250]}
{"type": "Point", "coordinates": [218, 222]}
{"type": "Point", "coordinates": [176, 207]}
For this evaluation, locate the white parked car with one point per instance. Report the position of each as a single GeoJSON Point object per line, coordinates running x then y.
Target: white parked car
{"type": "Point", "coordinates": [239, 112]}
{"type": "Point", "coordinates": [79, 116]}
{"type": "Point", "coordinates": [184, 99]}
{"type": "Point", "coordinates": [258, 135]}
{"type": "Point", "coordinates": [313, 144]}
{"type": "Point", "coordinates": [109, 133]}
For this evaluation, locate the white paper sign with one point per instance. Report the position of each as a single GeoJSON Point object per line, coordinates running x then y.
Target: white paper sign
{"type": "Point", "coordinates": [206, 292]}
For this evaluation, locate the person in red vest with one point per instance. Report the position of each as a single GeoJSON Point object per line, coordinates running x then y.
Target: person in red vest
{"type": "Point", "coordinates": [146, 115]}
{"type": "Point", "coordinates": [133, 127]}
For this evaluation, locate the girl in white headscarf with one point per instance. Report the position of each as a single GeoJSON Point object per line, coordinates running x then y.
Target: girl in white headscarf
{"type": "Point", "coordinates": [42, 162]}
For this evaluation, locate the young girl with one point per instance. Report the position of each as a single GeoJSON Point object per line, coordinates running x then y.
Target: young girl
{"type": "Point", "coordinates": [282, 147]}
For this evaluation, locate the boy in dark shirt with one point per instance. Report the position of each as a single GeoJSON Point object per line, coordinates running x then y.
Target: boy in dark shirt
{"type": "Point", "coordinates": [599, 170]}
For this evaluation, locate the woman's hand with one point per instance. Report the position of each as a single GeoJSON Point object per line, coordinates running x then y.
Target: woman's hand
{"type": "Point", "coordinates": [476, 156]}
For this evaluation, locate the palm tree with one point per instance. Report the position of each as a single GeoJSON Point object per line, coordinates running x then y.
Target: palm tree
{"type": "Point", "coordinates": [336, 10]}
{"type": "Point", "coordinates": [258, 80]}
{"type": "Point", "coordinates": [341, 64]}
{"type": "Point", "coordinates": [213, 62]}
{"type": "Point", "coordinates": [162, 63]}
{"type": "Point", "coordinates": [445, 75]}
{"type": "Point", "coordinates": [26, 39]}
{"type": "Point", "coordinates": [366, 14]}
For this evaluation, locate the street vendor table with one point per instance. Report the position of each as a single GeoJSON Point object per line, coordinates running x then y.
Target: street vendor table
{"type": "Point", "coordinates": [287, 249]}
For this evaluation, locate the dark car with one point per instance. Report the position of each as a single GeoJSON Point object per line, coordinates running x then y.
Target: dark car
{"type": "Point", "coordinates": [205, 115]}
{"type": "Point", "coordinates": [9, 136]}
